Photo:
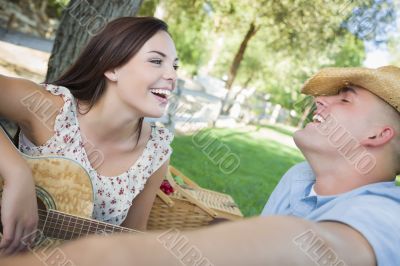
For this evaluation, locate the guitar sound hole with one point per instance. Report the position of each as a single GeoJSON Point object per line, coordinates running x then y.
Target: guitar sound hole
{"type": "Point", "coordinates": [41, 205]}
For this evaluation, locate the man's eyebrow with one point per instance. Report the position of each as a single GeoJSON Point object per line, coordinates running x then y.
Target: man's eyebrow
{"type": "Point", "coordinates": [348, 89]}
{"type": "Point", "coordinates": [162, 54]}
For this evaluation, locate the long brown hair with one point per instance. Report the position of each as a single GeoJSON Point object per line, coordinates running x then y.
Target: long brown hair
{"type": "Point", "coordinates": [112, 47]}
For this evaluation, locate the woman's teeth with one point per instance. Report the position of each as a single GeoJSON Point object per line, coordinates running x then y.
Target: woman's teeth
{"type": "Point", "coordinates": [161, 92]}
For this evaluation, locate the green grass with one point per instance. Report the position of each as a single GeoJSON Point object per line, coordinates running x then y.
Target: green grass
{"type": "Point", "coordinates": [279, 128]}
{"type": "Point", "coordinates": [263, 161]}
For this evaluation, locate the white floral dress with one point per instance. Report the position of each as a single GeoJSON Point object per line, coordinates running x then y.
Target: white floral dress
{"type": "Point", "coordinates": [112, 195]}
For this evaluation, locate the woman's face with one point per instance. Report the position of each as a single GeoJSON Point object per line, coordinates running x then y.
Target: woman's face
{"type": "Point", "coordinates": [149, 77]}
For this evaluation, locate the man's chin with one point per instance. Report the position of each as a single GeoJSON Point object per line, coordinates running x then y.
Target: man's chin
{"type": "Point", "coordinates": [304, 141]}
{"type": "Point", "coordinates": [298, 137]}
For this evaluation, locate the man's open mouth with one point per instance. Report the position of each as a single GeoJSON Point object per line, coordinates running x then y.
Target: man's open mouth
{"type": "Point", "coordinates": [318, 118]}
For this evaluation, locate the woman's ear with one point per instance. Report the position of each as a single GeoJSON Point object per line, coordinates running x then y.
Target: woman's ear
{"type": "Point", "coordinates": [111, 75]}
{"type": "Point", "coordinates": [381, 137]}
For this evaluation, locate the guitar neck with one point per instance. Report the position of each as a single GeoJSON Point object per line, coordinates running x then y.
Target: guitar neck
{"type": "Point", "coordinates": [64, 226]}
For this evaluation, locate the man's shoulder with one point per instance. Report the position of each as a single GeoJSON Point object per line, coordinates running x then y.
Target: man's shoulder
{"type": "Point", "coordinates": [381, 200]}
{"type": "Point", "coordinates": [387, 192]}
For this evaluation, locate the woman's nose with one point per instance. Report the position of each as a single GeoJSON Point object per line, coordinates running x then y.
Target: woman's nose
{"type": "Point", "coordinates": [170, 74]}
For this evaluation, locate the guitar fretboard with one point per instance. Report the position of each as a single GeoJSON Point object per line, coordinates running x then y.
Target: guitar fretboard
{"type": "Point", "coordinates": [63, 226]}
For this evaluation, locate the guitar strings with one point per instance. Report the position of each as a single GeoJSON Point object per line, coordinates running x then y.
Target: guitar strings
{"type": "Point", "coordinates": [89, 224]}
{"type": "Point", "coordinates": [53, 230]}
{"type": "Point", "coordinates": [60, 227]}
{"type": "Point", "coordinates": [83, 219]}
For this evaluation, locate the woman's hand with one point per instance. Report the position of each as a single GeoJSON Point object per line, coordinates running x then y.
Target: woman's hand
{"type": "Point", "coordinates": [19, 213]}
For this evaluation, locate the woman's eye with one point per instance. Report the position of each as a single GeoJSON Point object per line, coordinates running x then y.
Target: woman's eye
{"type": "Point", "coordinates": [176, 67]}
{"type": "Point", "coordinates": [156, 61]}
{"type": "Point", "coordinates": [346, 101]}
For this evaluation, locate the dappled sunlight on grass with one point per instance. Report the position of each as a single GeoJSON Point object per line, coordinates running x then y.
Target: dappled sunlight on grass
{"type": "Point", "coordinates": [281, 129]}
{"type": "Point", "coordinates": [262, 163]}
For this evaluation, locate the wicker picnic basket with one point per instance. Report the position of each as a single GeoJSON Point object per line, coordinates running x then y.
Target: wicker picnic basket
{"type": "Point", "coordinates": [190, 206]}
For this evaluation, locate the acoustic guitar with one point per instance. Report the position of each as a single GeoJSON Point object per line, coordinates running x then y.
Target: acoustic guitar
{"type": "Point", "coordinates": [65, 200]}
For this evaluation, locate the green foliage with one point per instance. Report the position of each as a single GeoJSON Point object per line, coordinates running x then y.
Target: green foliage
{"type": "Point", "coordinates": [394, 49]}
{"type": "Point", "coordinates": [294, 40]}
{"type": "Point", "coordinates": [189, 26]}
{"type": "Point", "coordinates": [350, 53]}
{"type": "Point", "coordinates": [148, 8]}
{"type": "Point", "coordinates": [55, 7]}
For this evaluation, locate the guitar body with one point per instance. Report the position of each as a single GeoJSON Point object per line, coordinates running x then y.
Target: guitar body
{"type": "Point", "coordinates": [61, 184]}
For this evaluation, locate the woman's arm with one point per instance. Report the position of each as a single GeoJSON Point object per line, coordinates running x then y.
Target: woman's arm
{"type": "Point", "coordinates": [139, 212]}
{"type": "Point", "coordinates": [27, 104]}
{"type": "Point", "coordinates": [30, 106]}
{"type": "Point", "coordinates": [19, 215]}
{"type": "Point", "coordinates": [13, 91]}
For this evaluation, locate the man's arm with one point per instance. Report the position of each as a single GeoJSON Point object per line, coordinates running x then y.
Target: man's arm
{"type": "Point", "coordinates": [257, 241]}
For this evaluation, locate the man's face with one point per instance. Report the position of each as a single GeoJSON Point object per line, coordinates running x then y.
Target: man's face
{"type": "Point", "coordinates": [351, 114]}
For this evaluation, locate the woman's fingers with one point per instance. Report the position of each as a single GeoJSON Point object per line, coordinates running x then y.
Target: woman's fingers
{"type": "Point", "coordinates": [9, 231]}
{"type": "Point", "coordinates": [16, 243]}
{"type": "Point", "coordinates": [8, 235]}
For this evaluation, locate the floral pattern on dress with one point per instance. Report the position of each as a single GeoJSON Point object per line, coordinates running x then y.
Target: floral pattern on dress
{"type": "Point", "coordinates": [112, 195]}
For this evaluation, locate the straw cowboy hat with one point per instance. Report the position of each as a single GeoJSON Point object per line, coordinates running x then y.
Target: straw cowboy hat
{"type": "Point", "coordinates": [383, 82]}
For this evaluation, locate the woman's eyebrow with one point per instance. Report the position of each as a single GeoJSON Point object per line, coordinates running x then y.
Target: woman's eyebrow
{"type": "Point", "coordinates": [158, 52]}
{"type": "Point", "coordinates": [162, 54]}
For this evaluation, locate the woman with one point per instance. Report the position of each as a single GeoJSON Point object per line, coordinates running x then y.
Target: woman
{"type": "Point", "coordinates": [94, 114]}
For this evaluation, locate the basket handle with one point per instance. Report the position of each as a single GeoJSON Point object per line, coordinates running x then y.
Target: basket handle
{"type": "Point", "coordinates": [165, 198]}
{"type": "Point", "coordinates": [186, 179]}
{"type": "Point", "coordinates": [187, 195]}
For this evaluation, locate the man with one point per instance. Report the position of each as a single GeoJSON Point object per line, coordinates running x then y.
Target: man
{"type": "Point", "coordinates": [342, 207]}
{"type": "Point", "coordinates": [352, 149]}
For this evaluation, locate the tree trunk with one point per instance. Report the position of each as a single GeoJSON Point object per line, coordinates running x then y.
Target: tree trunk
{"type": "Point", "coordinates": [80, 20]}
{"type": "Point", "coordinates": [304, 117]}
{"type": "Point", "coordinates": [240, 54]}
{"type": "Point", "coordinates": [237, 60]}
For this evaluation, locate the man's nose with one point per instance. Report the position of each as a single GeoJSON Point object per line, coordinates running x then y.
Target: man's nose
{"type": "Point", "coordinates": [321, 103]}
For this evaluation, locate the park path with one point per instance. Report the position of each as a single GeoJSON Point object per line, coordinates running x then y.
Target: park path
{"type": "Point", "coordinates": [22, 55]}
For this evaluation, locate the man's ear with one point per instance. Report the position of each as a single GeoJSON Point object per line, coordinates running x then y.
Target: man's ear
{"type": "Point", "coordinates": [111, 75]}
{"type": "Point", "coordinates": [380, 137]}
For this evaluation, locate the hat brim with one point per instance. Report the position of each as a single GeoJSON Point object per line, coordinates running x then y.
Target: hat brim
{"type": "Point", "coordinates": [329, 81]}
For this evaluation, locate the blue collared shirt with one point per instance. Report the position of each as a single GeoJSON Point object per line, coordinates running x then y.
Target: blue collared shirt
{"type": "Point", "coordinates": [373, 210]}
